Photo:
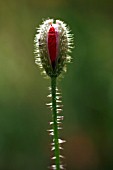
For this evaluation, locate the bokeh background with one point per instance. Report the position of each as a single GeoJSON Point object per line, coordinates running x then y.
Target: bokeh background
{"type": "Point", "coordinates": [87, 86]}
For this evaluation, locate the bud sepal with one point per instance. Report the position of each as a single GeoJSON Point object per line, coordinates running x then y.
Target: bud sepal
{"type": "Point", "coordinates": [53, 44]}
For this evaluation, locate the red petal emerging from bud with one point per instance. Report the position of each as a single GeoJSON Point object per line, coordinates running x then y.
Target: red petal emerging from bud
{"type": "Point", "coordinates": [52, 45]}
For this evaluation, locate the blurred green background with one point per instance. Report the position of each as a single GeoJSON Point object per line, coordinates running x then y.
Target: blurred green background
{"type": "Point", "coordinates": [87, 87]}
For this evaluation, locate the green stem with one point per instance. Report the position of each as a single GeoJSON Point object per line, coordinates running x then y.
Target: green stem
{"type": "Point", "coordinates": [55, 125]}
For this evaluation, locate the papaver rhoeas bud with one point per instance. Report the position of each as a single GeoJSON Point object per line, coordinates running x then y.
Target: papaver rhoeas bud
{"type": "Point", "coordinates": [53, 44]}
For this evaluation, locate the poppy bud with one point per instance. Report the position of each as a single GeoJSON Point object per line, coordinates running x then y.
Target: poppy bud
{"type": "Point", "coordinates": [53, 44]}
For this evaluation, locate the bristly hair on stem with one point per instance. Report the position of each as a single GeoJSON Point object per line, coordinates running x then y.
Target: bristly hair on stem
{"type": "Point", "coordinates": [53, 44]}
{"type": "Point", "coordinates": [56, 107]}
{"type": "Point", "coordinates": [55, 123]}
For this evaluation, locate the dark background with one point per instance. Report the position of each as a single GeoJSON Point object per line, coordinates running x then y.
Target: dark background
{"type": "Point", "coordinates": [87, 86]}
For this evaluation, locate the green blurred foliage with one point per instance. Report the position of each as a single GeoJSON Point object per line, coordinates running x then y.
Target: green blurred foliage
{"type": "Point", "coordinates": [87, 87]}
